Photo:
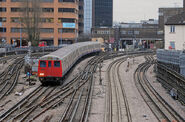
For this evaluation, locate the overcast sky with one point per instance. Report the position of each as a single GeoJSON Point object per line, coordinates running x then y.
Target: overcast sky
{"type": "Point", "coordinates": [136, 10]}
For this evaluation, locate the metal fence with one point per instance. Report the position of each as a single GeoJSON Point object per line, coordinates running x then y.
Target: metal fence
{"type": "Point", "coordinates": [173, 58]}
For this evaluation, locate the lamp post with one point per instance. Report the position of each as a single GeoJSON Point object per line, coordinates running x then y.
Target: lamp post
{"type": "Point", "coordinates": [61, 37]}
{"type": "Point", "coordinates": [1, 25]}
{"type": "Point", "coordinates": [20, 33]}
{"type": "Point", "coordinates": [61, 33]}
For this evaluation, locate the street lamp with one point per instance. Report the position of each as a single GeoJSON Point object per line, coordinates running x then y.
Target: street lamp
{"type": "Point", "coordinates": [1, 25]}
{"type": "Point", "coordinates": [61, 34]}
{"type": "Point", "coordinates": [20, 34]}
{"type": "Point", "coordinates": [4, 43]}
{"type": "Point", "coordinates": [61, 37]}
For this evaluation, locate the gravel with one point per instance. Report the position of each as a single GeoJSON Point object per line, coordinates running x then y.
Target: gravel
{"type": "Point", "coordinates": [177, 106]}
{"type": "Point", "coordinates": [140, 112]}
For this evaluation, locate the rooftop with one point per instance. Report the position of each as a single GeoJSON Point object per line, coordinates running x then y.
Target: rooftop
{"type": "Point", "coordinates": [178, 19]}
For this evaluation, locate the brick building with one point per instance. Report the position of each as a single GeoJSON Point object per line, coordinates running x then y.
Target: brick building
{"type": "Point", "coordinates": [59, 21]}
{"type": "Point", "coordinates": [130, 33]}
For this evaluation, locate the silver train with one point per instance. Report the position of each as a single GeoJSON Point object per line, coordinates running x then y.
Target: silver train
{"type": "Point", "coordinates": [56, 64]}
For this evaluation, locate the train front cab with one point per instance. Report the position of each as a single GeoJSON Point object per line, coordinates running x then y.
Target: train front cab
{"type": "Point", "coordinates": [49, 70]}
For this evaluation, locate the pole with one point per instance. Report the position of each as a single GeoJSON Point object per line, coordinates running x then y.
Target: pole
{"type": "Point", "coordinates": [3, 30]}
{"type": "Point", "coordinates": [100, 66]}
{"type": "Point", "coordinates": [61, 37]}
{"type": "Point", "coordinates": [20, 35]}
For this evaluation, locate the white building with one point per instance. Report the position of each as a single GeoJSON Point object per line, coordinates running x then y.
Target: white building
{"type": "Point", "coordinates": [175, 32]}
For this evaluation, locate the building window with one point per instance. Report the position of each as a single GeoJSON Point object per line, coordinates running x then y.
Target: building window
{"type": "Point", "coordinates": [2, 29]}
{"type": "Point", "coordinates": [80, 24]}
{"type": "Point", "coordinates": [66, 30]}
{"type": "Point", "coordinates": [47, 9]}
{"type": "Point", "coordinates": [2, 9]}
{"type": "Point", "coordinates": [69, 20]}
{"type": "Point", "coordinates": [81, 8]}
{"type": "Point", "coordinates": [47, 20]}
{"type": "Point", "coordinates": [46, 30]}
{"type": "Point", "coordinates": [81, 16]}
{"type": "Point", "coordinates": [124, 32]}
{"type": "Point", "coordinates": [15, 19]}
{"type": "Point", "coordinates": [172, 29]}
{"type": "Point", "coordinates": [17, 9]}
{"type": "Point", "coordinates": [2, 19]}
{"type": "Point", "coordinates": [136, 32]}
{"type": "Point", "coordinates": [47, 1]}
{"type": "Point", "coordinates": [66, 0]}
{"type": "Point", "coordinates": [72, 10]}
{"type": "Point", "coordinates": [172, 45]}
{"type": "Point", "coordinates": [16, 0]}
{"type": "Point", "coordinates": [130, 32]}
{"type": "Point", "coordinates": [17, 30]}
{"type": "Point", "coordinates": [160, 32]}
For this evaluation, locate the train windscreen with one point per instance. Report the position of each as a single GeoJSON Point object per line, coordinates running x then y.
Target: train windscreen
{"type": "Point", "coordinates": [57, 64]}
{"type": "Point", "coordinates": [42, 63]}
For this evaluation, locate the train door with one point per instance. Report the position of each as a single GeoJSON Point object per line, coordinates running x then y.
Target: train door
{"type": "Point", "coordinates": [42, 72]}
{"type": "Point", "coordinates": [57, 69]}
{"type": "Point", "coordinates": [50, 68]}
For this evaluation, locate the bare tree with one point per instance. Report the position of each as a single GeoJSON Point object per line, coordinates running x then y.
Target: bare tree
{"type": "Point", "coordinates": [31, 20]}
{"type": "Point", "coordinates": [84, 37]}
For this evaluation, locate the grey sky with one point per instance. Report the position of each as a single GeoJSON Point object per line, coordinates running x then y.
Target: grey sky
{"type": "Point", "coordinates": [136, 10]}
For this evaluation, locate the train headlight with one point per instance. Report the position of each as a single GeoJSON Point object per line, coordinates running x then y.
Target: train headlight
{"type": "Point", "coordinates": [41, 74]}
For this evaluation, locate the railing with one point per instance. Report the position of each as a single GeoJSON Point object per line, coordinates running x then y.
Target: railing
{"type": "Point", "coordinates": [13, 50]}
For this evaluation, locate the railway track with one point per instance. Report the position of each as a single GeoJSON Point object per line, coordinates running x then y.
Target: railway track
{"type": "Point", "coordinates": [9, 77]}
{"type": "Point", "coordinates": [117, 106]}
{"type": "Point", "coordinates": [78, 110]}
{"type": "Point", "coordinates": [45, 98]}
{"type": "Point", "coordinates": [171, 79]}
{"type": "Point", "coordinates": [160, 108]}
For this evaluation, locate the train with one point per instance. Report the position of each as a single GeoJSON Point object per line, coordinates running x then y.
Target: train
{"type": "Point", "coordinates": [54, 66]}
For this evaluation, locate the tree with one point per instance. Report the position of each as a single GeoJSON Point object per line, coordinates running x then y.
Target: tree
{"type": "Point", "coordinates": [31, 20]}
{"type": "Point", "coordinates": [84, 37]}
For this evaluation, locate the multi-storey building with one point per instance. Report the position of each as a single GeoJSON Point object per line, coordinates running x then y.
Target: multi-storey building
{"type": "Point", "coordinates": [59, 21]}
{"type": "Point", "coordinates": [87, 16]}
{"type": "Point", "coordinates": [102, 13]}
{"type": "Point", "coordinates": [81, 17]}
{"type": "Point", "coordinates": [129, 33]}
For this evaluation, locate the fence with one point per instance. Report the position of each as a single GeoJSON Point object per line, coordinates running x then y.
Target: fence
{"type": "Point", "coordinates": [173, 59]}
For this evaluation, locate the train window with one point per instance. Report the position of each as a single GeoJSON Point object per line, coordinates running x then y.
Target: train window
{"type": "Point", "coordinates": [42, 64]}
{"type": "Point", "coordinates": [57, 64]}
{"type": "Point", "coordinates": [49, 63]}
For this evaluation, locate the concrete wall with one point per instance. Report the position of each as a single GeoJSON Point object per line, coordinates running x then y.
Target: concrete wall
{"type": "Point", "coordinates": [178, 37]}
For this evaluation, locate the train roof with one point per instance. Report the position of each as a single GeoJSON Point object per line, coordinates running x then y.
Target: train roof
{"type": "Point", "coordinates": [62, 52]}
